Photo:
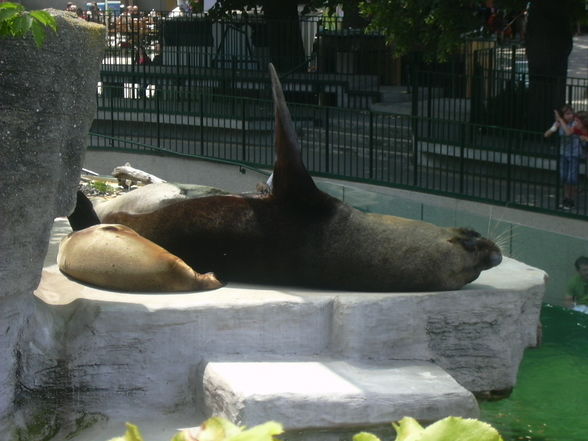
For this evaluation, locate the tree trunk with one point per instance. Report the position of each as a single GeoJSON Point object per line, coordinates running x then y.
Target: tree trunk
{"type": "Point", "coordinates": [284, 37]}
{"type": "Point", "coordinates": [351, 16]}
{"type": "Point", "coordinates": [548, 46]}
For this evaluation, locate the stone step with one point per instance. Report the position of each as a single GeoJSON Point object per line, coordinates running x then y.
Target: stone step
{"type": "Point", "coordinates": [328, 393]}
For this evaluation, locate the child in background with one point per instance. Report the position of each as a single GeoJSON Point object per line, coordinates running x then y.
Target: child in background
{"type": "Point", "coordinates": [570, 153]}
{"type": "Point", "coordinates": [581, 127]}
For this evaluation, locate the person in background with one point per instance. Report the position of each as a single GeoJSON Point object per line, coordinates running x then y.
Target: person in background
{"type": "Point", "coordinates": [93, 13]}
{"type": "Point", "coordinates": [142, 57]}
{"type": "Point", "coordinates": [577, 290]}
{"type": "Point", "coordinates": [581, 127]}
{"type": "Point", "coordinates": [570, 153]}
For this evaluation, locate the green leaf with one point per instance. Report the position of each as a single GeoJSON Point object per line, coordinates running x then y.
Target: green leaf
{"type": "Point", "coordinates": [365, 436]}
{"type": "Point", "coordinates": [460, 429]}
{"type": "Point", "coordinates": [45, 18]}
{"type": "Point", "coordinates": [133, 434]}
{"type": "Point", "coordinates": [8, 13]}
{"type": "Point", "coordinates": [217, 429]}
{"type": "Point", "coordinates": [21, 24]}
{"type": "Point", "coordinates": [408, 429]}
{"type": "Point", "coordinates": [183, 436]}
{"type": "Point", "coordinates": [263, 432]}
{"type": "Point", "coordinates": [11, 5]}
{"type": "Point", "coordinates": [38, 31]}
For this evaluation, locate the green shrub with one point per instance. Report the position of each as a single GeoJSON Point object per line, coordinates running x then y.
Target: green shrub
{"type": "Point", "coordinates": [101, 186]}
{"type": "Point", "coordinates": [215, 429]}
{"type": "Point", "coordinates": [407, 429]}
{"type": "Point", "coordinates": [447, 429]}
{"type": "Point", "coordinates": [15, 21]}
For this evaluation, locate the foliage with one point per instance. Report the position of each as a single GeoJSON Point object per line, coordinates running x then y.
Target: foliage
{"type": "Point", "coordinates": [434, 28]}
{"type": "Point", "coordinates": [407, 429]}
{"type": "Point", "coordinates": [437, 28]}
{"type": "Point", "coordinates": [101, 187]}
{"type": "Point", "coordinates": [447, 429]}
{"type": "Point", "coordinates": [214, 429]}
{"type": "Point", "coordinates": [15, 21]}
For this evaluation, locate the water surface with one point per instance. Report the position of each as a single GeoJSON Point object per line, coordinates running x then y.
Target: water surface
{"type": "Point", "coordinates": [550, 401]}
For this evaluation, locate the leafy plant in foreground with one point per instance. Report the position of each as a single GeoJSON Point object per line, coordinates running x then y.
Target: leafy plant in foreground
{"type": "Point", "coordinates": [15, 21]}
{"type": "Point", "coordinates": [447, 429]}
{"type": "Point", "coordinates": [214, 429]}
{"type": "Point", "coordinates": [407, 429]}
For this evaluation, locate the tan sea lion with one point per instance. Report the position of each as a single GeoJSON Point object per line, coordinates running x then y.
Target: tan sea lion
{"type": "Point", "coordinates": [298, 235]}
{"type": "Point", "coordinates": [152, 197]}
{"type": "Point", "coordinates": [115, 257]}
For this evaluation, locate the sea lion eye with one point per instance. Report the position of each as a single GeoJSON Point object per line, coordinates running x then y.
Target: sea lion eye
{"type": "Point", "coordinates": [469, 232]}
{"type": "Point", "coordinates": [470, 243]}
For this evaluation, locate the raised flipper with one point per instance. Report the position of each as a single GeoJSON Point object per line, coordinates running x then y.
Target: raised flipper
{"type": "Point", "coordinates": [83, 215]}
{"type": "Point", "coordinates": [290, 179]}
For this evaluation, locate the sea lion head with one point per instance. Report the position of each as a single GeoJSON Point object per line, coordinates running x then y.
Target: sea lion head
{"type": "Point", "coordinates": [479, 253]}
{"type": "Point", "coordinates": [484, 251]}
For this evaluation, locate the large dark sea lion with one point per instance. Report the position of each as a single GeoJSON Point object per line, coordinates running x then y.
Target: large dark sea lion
{"type": "Point", "coordinates": [298, 235]}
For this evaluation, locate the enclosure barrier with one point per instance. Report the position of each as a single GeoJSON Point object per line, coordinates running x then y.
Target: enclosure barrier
{"type": "Point", "coordinates": [230, 56]}
{"type": "Point", "coordinates": [454, 158]}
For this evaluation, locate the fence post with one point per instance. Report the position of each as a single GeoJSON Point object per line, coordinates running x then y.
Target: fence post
{"type": "Point", "coordinates": [462, 146]}
{"type": "Point", "coordinates": [158, 120]}
{"type": "Point", "coordinates": [414, 124]}
{"type": "Point", "coordinates": [327, 128]}
{"type": "Point", "coordinates": [558, 186]}
{"type": "Point", "coordinates": [513, 64]}
{"type": "Point", "coordinates": [201, 123]}
{"type": "Point", "coordinates": [371, 145]}
{"type": "Point", "coordinates": [414, 107]}
{"type": "Point", "coordinates": [243, 133]}
{"type": "Point", "coordinates": [112, 90]}
{"type": "Point", "coordinates": [509, 171]}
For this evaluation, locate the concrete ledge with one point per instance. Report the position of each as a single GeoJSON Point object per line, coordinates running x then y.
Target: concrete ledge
{"type": "Point", "coordinates": [332, 394]}
{"type": "Point", "coordinates": [118, 352]}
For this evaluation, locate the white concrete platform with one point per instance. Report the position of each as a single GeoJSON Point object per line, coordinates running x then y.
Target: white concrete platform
{"type": "Point", "coordinates": [133, 356]}
{"type": "Point", "coordinates": [332, 393]}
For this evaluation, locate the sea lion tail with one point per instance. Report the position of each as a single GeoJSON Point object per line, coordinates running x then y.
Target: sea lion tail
{"type": "Point", "coordinates": [83, 215]}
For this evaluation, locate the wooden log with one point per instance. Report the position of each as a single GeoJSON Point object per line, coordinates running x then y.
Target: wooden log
{"type": "Point", "coordinates": [125, 173]}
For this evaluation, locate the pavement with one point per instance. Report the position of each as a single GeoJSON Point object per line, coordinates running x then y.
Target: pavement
{"type": "Point", "coordinates": [578, 61]}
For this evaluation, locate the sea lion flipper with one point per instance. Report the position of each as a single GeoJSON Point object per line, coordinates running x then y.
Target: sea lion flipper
{"type": "Point", "coordinates": [290, 178]}
{"type": "Point", "coordinates": [83, 215]}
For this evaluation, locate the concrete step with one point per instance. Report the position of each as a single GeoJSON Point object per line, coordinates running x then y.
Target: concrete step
{"type": "Point", "coordinates": [394, 94]}
{"type": "Point", "coordinates": [327, 393]}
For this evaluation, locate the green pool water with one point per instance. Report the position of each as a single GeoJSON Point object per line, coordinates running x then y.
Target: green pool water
{"type": "Point", "coordinates": [550, 401]}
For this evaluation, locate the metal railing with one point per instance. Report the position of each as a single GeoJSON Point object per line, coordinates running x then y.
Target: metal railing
{"type": "Point", "coordinates": [230, 56]}
{"type": "Point", "coordinates": [492, 86]}
{"type": "Point", "coordinates": [454, 158]}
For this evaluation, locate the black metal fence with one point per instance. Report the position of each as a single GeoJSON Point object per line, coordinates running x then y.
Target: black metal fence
{"type": "Point", "coordinates": [316, 58]}
{"type": "Point", "coordinates": [490, 164]}
{"type": "Point", "coordinates": [492, 86]}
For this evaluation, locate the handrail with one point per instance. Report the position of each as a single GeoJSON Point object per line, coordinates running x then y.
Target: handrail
{"type": "Point", "coordinates": [239, 164]}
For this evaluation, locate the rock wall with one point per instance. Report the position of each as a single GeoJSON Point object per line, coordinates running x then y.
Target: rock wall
{"type": "Point", "coordinates": [47, 104]}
